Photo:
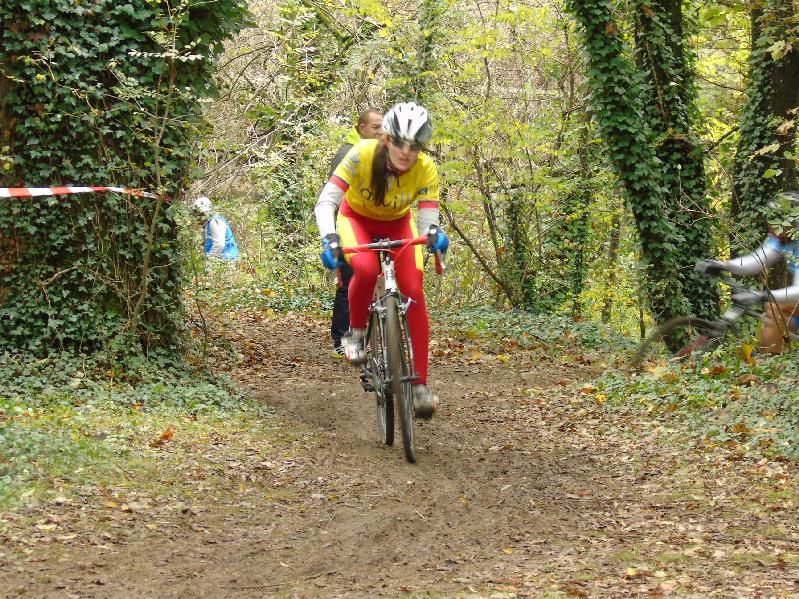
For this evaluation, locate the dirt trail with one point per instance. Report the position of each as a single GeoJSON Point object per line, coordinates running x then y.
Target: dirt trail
{"type": "Point", "coordinates": [516, 493]}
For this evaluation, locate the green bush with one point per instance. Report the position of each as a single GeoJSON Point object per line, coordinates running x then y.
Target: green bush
{"type": "Point", "coordinates": [103, 93]}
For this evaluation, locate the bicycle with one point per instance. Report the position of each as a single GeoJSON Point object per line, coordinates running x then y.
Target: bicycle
{"type": "Point", "coordinates": [704, 336]}
{"type": "Point", "coordinates": [389, 371]}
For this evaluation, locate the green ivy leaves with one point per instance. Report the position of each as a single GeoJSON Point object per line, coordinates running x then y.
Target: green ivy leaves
{"type": "Point", "coordinates": [93, 94]}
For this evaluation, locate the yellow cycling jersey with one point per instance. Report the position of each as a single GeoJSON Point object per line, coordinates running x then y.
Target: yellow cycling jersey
{"type": "Point", "coordinates": [354, 176]}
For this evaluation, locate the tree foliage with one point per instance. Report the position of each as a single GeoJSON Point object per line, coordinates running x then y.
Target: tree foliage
{"type": "Point", "coordinates": [539, 145]}
{"type": "Point", "coordinates": [104, 92]}
{"type": "Point", "coordinates": [765, 160]}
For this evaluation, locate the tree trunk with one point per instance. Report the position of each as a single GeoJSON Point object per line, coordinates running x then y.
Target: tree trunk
{"type": "Point", "coordinates": [669, 104]}
{"type": "Point", "coordinates": [578, 226]}
{"type": "Point", "coordinates": [613, 258]}
{"type": "Point", "coordinates": [8, 242]}
{"type": "Point", "coordinates": [518, 255]}
{"type": "Point", "coordinates": [761, 168]}
{"type": "Point", "coordinates": [616, 104]}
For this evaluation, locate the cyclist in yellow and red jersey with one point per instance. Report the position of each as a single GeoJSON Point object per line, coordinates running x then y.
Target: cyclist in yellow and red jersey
{"type": "Point", "coordinates": [373, 190]}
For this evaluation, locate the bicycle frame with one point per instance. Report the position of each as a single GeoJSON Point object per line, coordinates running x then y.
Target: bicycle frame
{"type": "Point", "coordinates": [384, 248]}
{"type": "Point", "coordinates": [729, 320]}
{"type": "Point", "coordinates": [733, 314]}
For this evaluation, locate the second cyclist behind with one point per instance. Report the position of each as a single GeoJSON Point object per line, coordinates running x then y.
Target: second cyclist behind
{"type": "Point", "coordinates": [775, 248]}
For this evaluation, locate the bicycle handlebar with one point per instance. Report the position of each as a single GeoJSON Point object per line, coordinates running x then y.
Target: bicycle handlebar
{"type": "Point", "coordinates": [391, 244]}
{"type": "Point", "coordinates": [742, 295]}
{"type": "Point", "coordinates": [383, 244]}
{"type": "Point", "coordinates": [727, 278]}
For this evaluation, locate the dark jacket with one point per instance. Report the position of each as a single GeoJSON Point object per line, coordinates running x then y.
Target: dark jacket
{"type": "Point", "coordinates": [352, 139]}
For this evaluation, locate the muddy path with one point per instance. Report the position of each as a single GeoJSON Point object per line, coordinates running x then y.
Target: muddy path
{"type": "Point", "coordinates": [520, 490]}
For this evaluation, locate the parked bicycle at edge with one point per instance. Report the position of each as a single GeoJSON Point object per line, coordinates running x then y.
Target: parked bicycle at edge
{"type": "Point", "coordinates": [689, 337]}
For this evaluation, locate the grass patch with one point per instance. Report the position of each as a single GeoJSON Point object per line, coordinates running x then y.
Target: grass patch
{"type": "Point", "coordinates": [753, 559]}
{"type": "Point", "coordinates": [722, 401]}
{"type": "Point", "coordinates": [626, 555]}
{"type": "Point", "coordinates": [671, 558]}
{"type": "Point", "coordinates": [530, 330]}
{"type": "Point", "coordinates": [783, 495]}
{"type": "Point", "coordinates": [70, 421]}
{"type": "Point", "coordinates": [765, 532]}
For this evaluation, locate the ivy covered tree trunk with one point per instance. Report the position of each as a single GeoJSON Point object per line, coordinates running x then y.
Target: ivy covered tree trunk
{"type": "Point", "coordinates": [765, 160]}
{"type": "Point", "coordinates": [617, 108]}
{"type": "Point", "coordinates": [669, 105]}
{"type": "Point", "coordinates": [7, 243]}
{"type": "Point", "coordinates": [518, 256]}
{"type": "Point", "coordinates": [577, 228]}
{"type": "Point", "coordinates": [102, 93]}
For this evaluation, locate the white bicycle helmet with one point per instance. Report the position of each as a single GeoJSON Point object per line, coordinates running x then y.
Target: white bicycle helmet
{"type": "Point", "coordinates": [202, 205]}
{"type": "Point", "coordinates": [408, 121]}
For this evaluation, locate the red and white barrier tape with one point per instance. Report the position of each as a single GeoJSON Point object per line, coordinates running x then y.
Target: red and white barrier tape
{"type": "Point", "coordinates": [29, 192]}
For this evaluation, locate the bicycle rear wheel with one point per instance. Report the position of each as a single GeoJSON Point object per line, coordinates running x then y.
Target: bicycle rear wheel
{"type": "Point", "coordinates": [399, 357]}
{"type": "Point", "coordinates": [376, 373]}
{"type": "Point", "coordinates": [691, 336]}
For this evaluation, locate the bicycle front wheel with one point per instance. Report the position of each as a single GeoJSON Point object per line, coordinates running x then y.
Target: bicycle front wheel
{"type": "Point", "coordinates": [683, 337]}
{"type": "Point", "coordinates": [375, 371]}
{"type": "Point", "coordinates": [399, 358]}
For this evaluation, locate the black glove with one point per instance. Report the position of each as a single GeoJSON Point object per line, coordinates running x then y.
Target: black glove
{"type": "Point", "coordinates": [749, 298]}
{"type": "Point", "coordinates": [709, 267]}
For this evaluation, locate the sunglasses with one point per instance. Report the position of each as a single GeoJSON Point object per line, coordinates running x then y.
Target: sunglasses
{"type": "Point", "coordinates": [401, 143]}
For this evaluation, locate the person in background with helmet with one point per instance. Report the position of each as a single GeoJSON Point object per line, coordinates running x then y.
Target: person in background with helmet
{"type": "Point", "coordinates": [219, 240]}
{"type": "Point", "coordinates": [775, 248]}
{"type": "Point", "coordinates": [370, 124]}
{"type": "Point", "coordinates": [372, 190]}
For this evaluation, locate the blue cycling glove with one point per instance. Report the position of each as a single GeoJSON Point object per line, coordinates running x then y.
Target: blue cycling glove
{"type": "Point", "coordinates": [331, 252]}
{"type": "Point", "coordinates": [437, 240]}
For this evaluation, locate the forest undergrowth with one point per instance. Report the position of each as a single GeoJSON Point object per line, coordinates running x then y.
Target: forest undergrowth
{"type": "Point", "coordinates": [68, 418]}
{"type": "Point", "coordinates": [110, 468]}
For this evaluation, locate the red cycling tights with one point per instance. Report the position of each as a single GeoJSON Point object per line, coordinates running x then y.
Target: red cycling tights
{"type": "Point", "coordinates": [355, 229]}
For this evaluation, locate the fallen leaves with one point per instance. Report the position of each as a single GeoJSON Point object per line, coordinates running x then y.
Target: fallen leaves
{"type": "Point", "coordinates": [715, 370]}
{"type": "Point", "coordinates": [520, 468]}
{"type": "Point", "coordinates": [163, 438]}
{"type": "Point", "coordinates": [747, 379]}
